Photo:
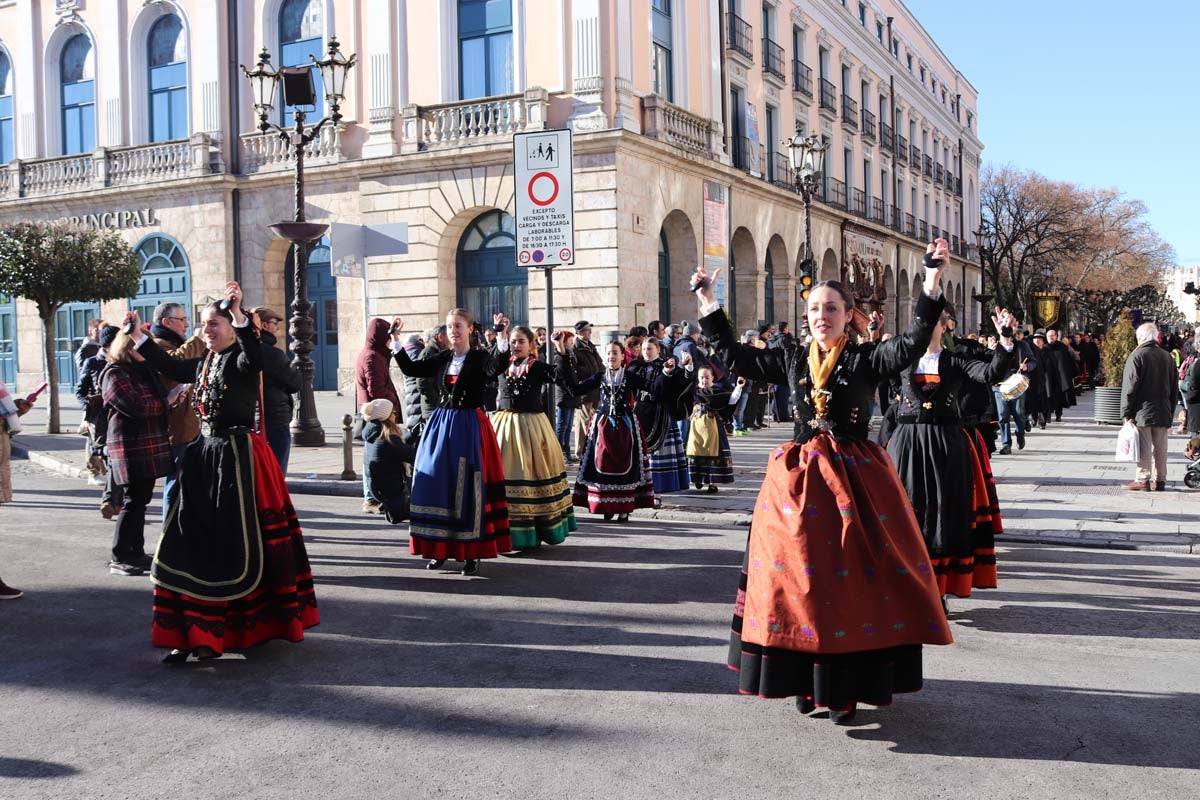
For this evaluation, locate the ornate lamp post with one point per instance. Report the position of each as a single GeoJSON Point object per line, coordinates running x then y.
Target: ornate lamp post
{"type": "Point", "coordinates": [298, 90]}
{"type": "Point", "coordinates": [807, 155]}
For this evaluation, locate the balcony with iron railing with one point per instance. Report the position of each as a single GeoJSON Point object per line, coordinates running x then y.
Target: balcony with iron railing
{"type": "Point", "coordinates": [945, 234]}
{"type": "Point", "coordinates": [773, 59]}
{"type": "Point", "coordinates": [159, 162]}
{"type": "Point", "coordinates": [928, 164]}
{"type": "Point", "coordinates": [887, 137]}
{"type": "Point", "coordinates": [828, 96]}
{"type": "Point", "coordinates": [849, 112]}
{"type": "Point", "coordinates": [895, 219]}
{"type": "Point", "coordinates": [741, 153]}
{"type": "Point", "coordinates": [741, 37]}
{"type": "Point", "coordinates": [901, 149]}
{"type": "Point", "coordinates": [914, 157]}
{"type": "Point", "coordinates": [877, 211]}
{"type": "Point", "coordinates": [858, 202]}
{"type": "Point", "coordinates": [923, 230]}
{"type": "Point", "coordinates": [958, 186]}
{"type": "Point", "coordinates": [802, 78]}
{"type": "Point", "coordinates": [955, 245]}
{"type": "Point", "coordinates": [835, 193]}
{"type": "Point", "coordinates": [779, 170]}
{"type": "Point", "coordinates": [868, 124]}
{"type": "Point", "coordinates": [939, 175]}
{"type": "Point", "coordinates": [910, 225]}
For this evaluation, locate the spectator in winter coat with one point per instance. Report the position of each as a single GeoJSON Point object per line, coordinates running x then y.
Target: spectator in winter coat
{"type": "Point", "coordinates": [373, 381]}
{"type": "Point", "coordinates": [138, 445]}
{"type": "Point", "coordinates": [281, 380]}
{"type": "Point", "coordinates": [386, 457]}
{"type": "Point", "coordinates": [1148, 391]}
{"type": "Point", "coordinates": [169, 329]}
{"type": "Point", "coordinates": [1189, 385]}
{"type": "Point", "coordinates": [414, 420]}
{"type": "Point", "coordinates": [431, 389]}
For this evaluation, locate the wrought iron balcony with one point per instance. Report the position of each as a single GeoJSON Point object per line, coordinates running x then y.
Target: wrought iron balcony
{"type": "Point", "coordinates": [955, 245]}
{"type": "Point", "coordinates": [849, 112]}
{"type": "Point", "coordinates": [901, 149]}
{"type": "Point", "coordinates": [858, 202]}
{"type": "Point", "coordinates": [877, 211]}
{"type": "Point", "coordinates": [958, 186]}
{"type": "Point", "coordinates": [773, 58]}
{"type": "Point", "coordinates": [928, 171]}
{"type": "Point", "coordinates": [868, 124]}
{"type": "Point", "coordinates": [939, 174]}
{"type": "Point", "coordinates": [802, 78]}
{"type": "Point", "coordinates": [887, 137]}
{"type": "Point", "coordinates": [914, 157]}
{"type": "Point", "coordinates": [910, 225]}
{"type": "Point", "coordinates": [835, 193]}
{"type": "Point", "coordinates": [895, 220]}
{"type": "Point", "coordinates": [828, 96]}
{"type": "Point", "coordinates": [741, 37]}
{"type": "Point", "coordinates": [741, 153]}
{"type": "Point", "coordinates": [923, 230]}
{"type": "Point", "coordinates": [779, 170]}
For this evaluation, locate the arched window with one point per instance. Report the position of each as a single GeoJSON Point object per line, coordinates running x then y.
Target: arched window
{"type": "Point", "coordinates": [6, 109]}
{"type": "Point", "coordinates": [664, 276]}
{"type": "Point", "coordinates": [166, 275]}
{"type": "Point", "coordinates": [485, 48]}
{"type": "Point", "coordinates": [661, 74]}
{"type": "Point", "coordinates": [489, 279]}
{"type": "Point", "coordinates": [302, 34]}
{"type": "Point", "coordinates": [78, 96]}
{"type": "Point", "coordinates": [167, 59]}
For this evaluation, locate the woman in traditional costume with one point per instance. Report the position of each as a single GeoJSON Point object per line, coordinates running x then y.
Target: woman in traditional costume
{"type": "Point", "coordinates": [939, 461]}
{"type": "Point", "coordinates": [535, 475]}
{"type": "Point", "coordinates": [837, 593]}
{"type": "Point", "coordinates": [231, 570]}
{"type": "Point", "coordinates": [657, 418]}
{"type": "Point", "coordinates": [709, 459]}
{"type": "Point", "coordinates": [459, 507]}
{"type": "Point", "coordinates": [614, 473]}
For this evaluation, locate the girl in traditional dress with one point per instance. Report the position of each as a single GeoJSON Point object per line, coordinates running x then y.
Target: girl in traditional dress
{"type": "Point", "coordinates": [539, 497]}
{"type": "Point", "coordinates": [837, 593]}
{"type": "Point", "coordinates": [657, 417]}
{"type": "Point", "coordinates": [231, 570]}
{"type": "Point", "coordinates": [459, 508]}
{"type": "Point", "coordinates": [614, 473]}
{"type": "Point", "coordinates": [709, 459]}
{"type": "Point", "coordinates": [939, 464]}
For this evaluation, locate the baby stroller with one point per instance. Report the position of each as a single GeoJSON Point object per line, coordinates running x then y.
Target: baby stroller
{"type": "Point", "coordinates": [1191, 478]}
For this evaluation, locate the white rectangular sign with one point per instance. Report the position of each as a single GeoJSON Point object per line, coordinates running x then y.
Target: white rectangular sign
{"type": "Point", "coordinates": [545, 206]}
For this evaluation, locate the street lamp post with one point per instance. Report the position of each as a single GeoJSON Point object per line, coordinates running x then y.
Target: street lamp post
{"type": "Point", "coordinates": [808, 164]}
{"type": "Point", "coordinates": [298, 90]}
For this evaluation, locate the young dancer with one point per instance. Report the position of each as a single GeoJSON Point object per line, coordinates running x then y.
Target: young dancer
{"type": "Point", "coordinates": [459, 509]}
{"type": "Point", "coordinates": [837, 593]}
{"type": "Point", "coordinates": [709, 459]}
{"type": "Point", "coordinates": [614, 473]}
{"type": "Point", "coordinates": [539, 497]}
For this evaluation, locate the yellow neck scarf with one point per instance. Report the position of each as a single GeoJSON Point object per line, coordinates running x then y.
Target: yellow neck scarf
{"type": "Point", "coordinates": [820, 370]}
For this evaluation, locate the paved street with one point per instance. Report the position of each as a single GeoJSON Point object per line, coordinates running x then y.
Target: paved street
{"type": "Point", "coordinates": [595, 669]}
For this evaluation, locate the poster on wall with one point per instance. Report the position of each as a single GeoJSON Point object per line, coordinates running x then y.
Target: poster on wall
{"type": "Point", "coordinates": [716, 235]}
{"type": "Point", "coordinates": [752, 151]}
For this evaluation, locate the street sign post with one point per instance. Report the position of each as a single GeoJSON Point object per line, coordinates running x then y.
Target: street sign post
{"type": "Point", "coordinates": [543, 164]}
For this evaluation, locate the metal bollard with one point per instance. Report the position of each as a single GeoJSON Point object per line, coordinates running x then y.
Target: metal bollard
{"type": "Point", "coordinates": [348, 473]}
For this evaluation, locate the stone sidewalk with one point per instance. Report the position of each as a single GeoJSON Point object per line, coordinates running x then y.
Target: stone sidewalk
{"type": "Point", "coordinates": [1064, 488]}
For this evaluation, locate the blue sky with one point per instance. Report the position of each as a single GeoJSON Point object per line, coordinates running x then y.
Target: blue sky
{"type": "Point", "coordinates": [1097, 93]}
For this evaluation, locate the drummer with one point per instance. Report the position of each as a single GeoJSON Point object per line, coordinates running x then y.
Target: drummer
{"type": "Point", "coordinates": [1009, 392]}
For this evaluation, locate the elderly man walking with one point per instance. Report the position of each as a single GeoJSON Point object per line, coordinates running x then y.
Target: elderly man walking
{"type": "Point", "coordinates": [1148, 391]}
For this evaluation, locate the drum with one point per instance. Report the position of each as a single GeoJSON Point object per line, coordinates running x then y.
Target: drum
{"type": "Point", "coordinates": [1013, 386]}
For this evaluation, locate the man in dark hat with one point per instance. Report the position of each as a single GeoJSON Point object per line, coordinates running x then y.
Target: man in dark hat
{"type": "Point", "coordinates": [1038, 403]}
{"type": "Point", "coordinates": [1061, 369]}
{"type": "Point", "coordinates": [169, 330]}
{"type": "Point", "coordinates": [586, 361]}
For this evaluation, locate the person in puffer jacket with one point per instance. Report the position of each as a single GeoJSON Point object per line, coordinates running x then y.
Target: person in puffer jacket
{"type": "Point", "coordinates": [414, 417]}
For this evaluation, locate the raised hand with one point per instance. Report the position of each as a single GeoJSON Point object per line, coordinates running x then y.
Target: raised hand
{"type": "Point", "coordinates": [686, 359]}
{"type": "Point", "coordinates": [397, 327]}
{"type": "Point", "coordinates": [704, 285]}
{"type": "Point", "coordinates": [1003, 318]}
{"type": "Point", "coordinates": [131, 323]}
{"type": "Point", "coordinates": [937, 257]}
{"type": "Point", "coordinates": [741, 382]}
{"type": "Point", "coordinates": [669, 366]}
{"type": "Point", "coordinates": [499, 320]}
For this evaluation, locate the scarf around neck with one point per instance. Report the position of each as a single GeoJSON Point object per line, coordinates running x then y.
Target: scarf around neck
{"type": "Point", "coordinates": [821, 370]}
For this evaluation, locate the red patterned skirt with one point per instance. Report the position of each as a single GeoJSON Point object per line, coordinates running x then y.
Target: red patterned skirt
{"type": "Point", "coordinates": [233, 591]}
{"type": "Point", "coordinates": [837, 594]}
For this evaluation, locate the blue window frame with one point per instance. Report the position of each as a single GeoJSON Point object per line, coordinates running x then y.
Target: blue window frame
{"type": "Point", "coordinates": [78, 96]}
{"type": "Point", "coordinates": [167, 56]}
{"type": "Point", "coordinates": [661, 72]}
{"type": "Point", "coordinates": [6, 109]}
{"type": "Point", "coordinates": [166, 275]}
{"type": "Point", "coordinates": [302, 34]}
{"type": "Point", "coordinates": [485, 48]}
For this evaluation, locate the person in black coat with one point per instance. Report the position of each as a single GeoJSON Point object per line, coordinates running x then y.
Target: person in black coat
{"type": "Point", "coordinates": [281, 380]}
{"type": "Point", "coordinates": [87, 392]}
{"type": "Point", "coordinates": [833, 541]}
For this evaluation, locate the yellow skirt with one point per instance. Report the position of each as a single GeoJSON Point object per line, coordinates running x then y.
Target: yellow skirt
{"type": "Point", "coordinates": [704, 438]}
{"type": "Point", "coordinates": [535, 476]}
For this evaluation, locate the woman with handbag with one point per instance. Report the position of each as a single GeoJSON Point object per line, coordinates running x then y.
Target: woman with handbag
{"type": "Point", "coordinates": [231, 570]}
{"type": "Point", "coordinates": [614, 472]}
{"type": "Point", "coordinates": [459, 507]}
{"type": "Point", "coordinates": [837, 594]}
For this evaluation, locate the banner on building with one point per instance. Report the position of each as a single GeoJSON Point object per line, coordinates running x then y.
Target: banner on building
{"type": "Point", "coordinates": [863, 268]}
{"type": "Point", "coordinates": [545, 198]}
{"type": "Point", "coordinates": [716, 235]}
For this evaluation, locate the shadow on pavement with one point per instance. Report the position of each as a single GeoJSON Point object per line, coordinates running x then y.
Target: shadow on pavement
{"type": "Point", "coordinates": [971, 719]}
{"type": "Point", "coordinates": [31, 768]}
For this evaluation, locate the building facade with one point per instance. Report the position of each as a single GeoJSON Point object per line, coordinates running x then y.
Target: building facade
{"type": "Point", "coordinates": [132, 115]}
{"type": "Point", "coordinates": [1187, 302]}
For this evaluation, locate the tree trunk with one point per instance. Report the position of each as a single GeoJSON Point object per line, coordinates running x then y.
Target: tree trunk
{"type": "Point", "coordinates": [51, 370]}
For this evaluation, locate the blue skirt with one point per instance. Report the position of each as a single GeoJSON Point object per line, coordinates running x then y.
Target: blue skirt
{"type": "Point", "coordinates": [669, 464]}
{"type": "Point", "coordinates": [459, 507]}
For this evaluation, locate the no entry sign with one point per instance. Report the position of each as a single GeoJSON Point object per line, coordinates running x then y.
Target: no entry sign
{"type": "Point", "coordinates": [545, 216]}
